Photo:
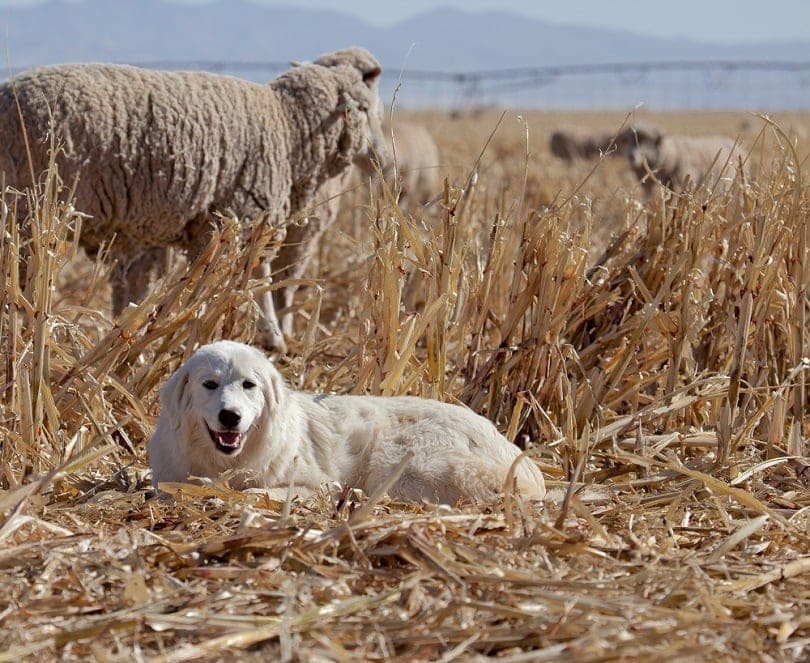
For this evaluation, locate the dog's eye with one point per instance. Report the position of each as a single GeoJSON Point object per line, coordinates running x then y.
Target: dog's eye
{"type": "Point", "coordinates": [247, 384]}
{"type": "Point", "coordinates": [210, 384]}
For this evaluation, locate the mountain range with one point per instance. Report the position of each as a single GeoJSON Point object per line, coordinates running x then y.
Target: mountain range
{"type": "Point", "coordinates": [228, 31]}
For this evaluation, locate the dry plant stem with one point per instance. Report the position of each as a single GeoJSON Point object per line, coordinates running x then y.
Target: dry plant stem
{"type": "Point", "coordinates": [729, 409]}
{"type": "Point", "coordinates": [647, 351]}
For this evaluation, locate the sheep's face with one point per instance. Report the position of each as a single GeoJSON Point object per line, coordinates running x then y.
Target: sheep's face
{"type": "Point", "coordinates": [375, 147]}
{"type": "Point", "coordinates": [639, 146]}
{"type": "Point", "coordinates": [362, 142]}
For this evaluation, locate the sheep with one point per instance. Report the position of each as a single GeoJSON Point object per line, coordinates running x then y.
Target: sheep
{"type": "Point", "coordinates": [414, 157]}
{"type": "Point", "coordinates": [155, 154]}
{"type": "Point", "coordinates": [569, 145]}
{"type": "Point", "coordinates": [679, 162]}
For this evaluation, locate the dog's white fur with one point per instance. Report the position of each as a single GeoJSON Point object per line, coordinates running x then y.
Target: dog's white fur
{"type": "Point", "coordinates": [286, 436]}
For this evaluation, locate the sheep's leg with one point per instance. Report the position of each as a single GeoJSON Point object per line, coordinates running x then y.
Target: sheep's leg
{"type": "Point", "coordinates": [294, 256]}
{"type": "Point", "coordinates": [198, 234]}
{"type": "Point", "coordinates": [134, 274]}
{"type": "Point", "coordinates": [270, 334]}
{"type": "Point", "coordinates": [282, 301]}
{"type": "Point", "coordinates": [290, 263]}
{"type": "Point", "coordinates": [301, 242]}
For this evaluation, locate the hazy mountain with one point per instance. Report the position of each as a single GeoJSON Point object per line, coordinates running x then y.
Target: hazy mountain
{"type": "Point", "coordinates": [444, 39]}
{"type": "Point", "coordinates": [238, 30]}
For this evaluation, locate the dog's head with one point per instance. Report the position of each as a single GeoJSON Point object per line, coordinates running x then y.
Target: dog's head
{"type": "Point", "coordinates": [220, 394]}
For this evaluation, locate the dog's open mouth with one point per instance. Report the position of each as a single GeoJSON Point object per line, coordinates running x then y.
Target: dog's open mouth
{"type": "Point", "coordinates": [227, 441]}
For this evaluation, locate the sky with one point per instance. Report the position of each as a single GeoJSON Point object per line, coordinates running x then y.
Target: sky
{"type": "Point", "coordinates": [707, 20]}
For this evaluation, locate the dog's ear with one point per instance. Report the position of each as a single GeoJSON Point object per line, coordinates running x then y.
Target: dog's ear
{"type": "Point", "coordinates": [174, 397]}
{"type": "Point", "coordinates": [273, 384]}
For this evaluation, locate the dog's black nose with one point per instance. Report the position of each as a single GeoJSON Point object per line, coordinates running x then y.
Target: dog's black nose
{"type": "Point", "coordinates": [229, 418]}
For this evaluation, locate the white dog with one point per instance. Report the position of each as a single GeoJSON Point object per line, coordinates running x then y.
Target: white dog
{"type": "Point", "coordinates": [227, 408]}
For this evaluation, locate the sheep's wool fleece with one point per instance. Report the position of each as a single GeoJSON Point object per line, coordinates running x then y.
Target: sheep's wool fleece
{"type": "Point", "coordinates": [155, 153]}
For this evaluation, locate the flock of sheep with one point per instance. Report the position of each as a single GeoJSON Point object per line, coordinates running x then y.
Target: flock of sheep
{"type": "Point", "coordinates": [154, 156]}
{"type": "Point", "coordinates": [676, 162]}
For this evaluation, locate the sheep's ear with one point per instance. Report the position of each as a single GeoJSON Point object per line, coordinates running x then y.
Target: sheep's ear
{"type": "Point", "coordinates": [174, 398]}
{"type": "Point", "coordinates": [356, 57]}
{"type": "Point", "coordinates": [371, 75]}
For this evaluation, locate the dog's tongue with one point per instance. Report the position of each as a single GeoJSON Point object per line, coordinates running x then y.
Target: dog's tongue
{"type": "Point", "coordinates": [227, 438]}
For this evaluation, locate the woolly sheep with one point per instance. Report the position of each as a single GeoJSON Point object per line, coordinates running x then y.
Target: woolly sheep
{"type": "Point", "coordinates": [156, 153]}
{"type": "Point", "coordinates": [569, 144]}
{"type": "Point", "coordinates": [414, 157]}
{"type": "Point", "coordinates": [679, 162]}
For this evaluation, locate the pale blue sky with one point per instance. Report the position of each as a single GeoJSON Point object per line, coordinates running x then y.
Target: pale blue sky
{"type": "Point", "coordinates": [707, 20]}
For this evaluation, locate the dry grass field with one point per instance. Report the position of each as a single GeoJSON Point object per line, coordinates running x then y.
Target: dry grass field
{"type": "Point", "coordinates": [651, 355]}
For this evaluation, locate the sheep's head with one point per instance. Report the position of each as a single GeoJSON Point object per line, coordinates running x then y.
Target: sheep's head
{"type": "Point", "coordinates": [639, 144]}
{"type": "Point", "coordinates": [362, 139]}
{"type": "Point", "coordinates": [334, 115]}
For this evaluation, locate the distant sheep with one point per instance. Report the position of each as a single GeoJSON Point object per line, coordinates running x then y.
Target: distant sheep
{"type": "Point", "coordinates": [157, 153]}
{"type": "Point", "coordinates": [679, 162]}
{"type": "Point", "coordinates": [569, 145]}
{"type": "Point", "coordinates": [414, 157]}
